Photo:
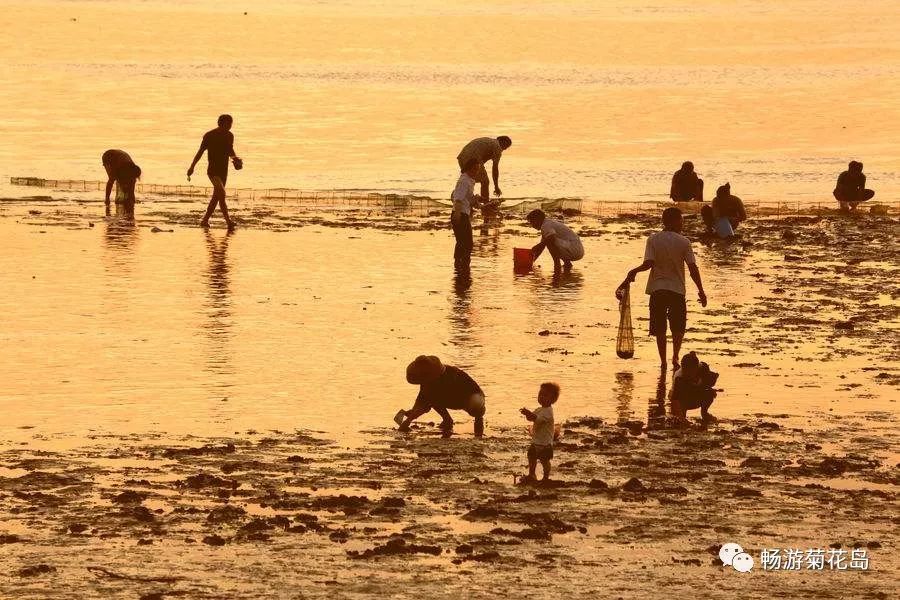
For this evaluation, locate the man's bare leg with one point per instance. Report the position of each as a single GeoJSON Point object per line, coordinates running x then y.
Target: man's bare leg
{"type": "Point", "coordinates": [676, 349]}
{"type": "Point", "coordinates": [228, 222]}
{"type": "Point", "coordinates": [546, 464]}
{"type": "Point", "coordinates": [661, 346]}
{"type": "Point", "coordinates": [446, 419]}
{"type": "Point", "coordinates": [217, 199]}
{"type": "Point", "coordinates": [554, 251]}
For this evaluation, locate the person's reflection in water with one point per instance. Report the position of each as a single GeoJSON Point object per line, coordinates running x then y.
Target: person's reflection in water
{"type": "Point", "coordinates": [218, 303]}
{"type": "Point", "coordinates": [656, 407]}
{"type": "Point", "coordinates": [624, 392]}
{"type": "Point", "coordinates": [461, 310]}
{"type": "Point", "coordinates": [119, 239]}
{"type": "Point", "coordinates": [573, 280]}
{"type": "Point", "coordinates": [120, 234]}
{"type": "Point", "coordinates": [488, 242]}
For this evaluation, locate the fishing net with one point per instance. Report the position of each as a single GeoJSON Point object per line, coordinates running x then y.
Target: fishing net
{"type": "Point", "coordinates": [625, 338]}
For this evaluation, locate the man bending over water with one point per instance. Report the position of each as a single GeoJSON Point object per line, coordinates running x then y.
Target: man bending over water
{"type": "Point", "coordinates": [121, 170]}
{"type": "Point", "coordinates": [218, 144]}
{"type": "Point", "coordinates": [485, 149]}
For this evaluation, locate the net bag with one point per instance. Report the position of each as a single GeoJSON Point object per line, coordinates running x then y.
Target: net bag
{"type": "Point", "coordinates": [625, 338]}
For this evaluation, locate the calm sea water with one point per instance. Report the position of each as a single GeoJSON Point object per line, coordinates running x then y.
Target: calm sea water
{"type": "Point", "coordinates": [603, 99]}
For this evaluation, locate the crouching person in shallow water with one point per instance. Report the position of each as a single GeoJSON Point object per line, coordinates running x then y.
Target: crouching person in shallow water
{"type": "Point", "coordinates": [563, 244]}
{"type": "Point", "coordinates": [443, 388]}
{"type": "Point", "coordinates": [692, 387]}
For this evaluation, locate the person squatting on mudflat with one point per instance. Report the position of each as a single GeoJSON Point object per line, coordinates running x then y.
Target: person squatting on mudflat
{"type": "Point", "coordinates": [665, 255]}
{"type": "Point", "coordinates": [218, 144]}
{"type": "Point", "coordinates": [464, 200]}
{"type": "Point", "coordinates": [851, 190]}
{"type": "Point", "coordinates": [442, 388]}
{"type": "Point", "coordinates": [121, 170]}
{"type": "Point", "coordinates": [692, 388]}
{"type": "Point", "coordinates": [562, 243]}
{"type": "Point", "coordinates": [543, 430]}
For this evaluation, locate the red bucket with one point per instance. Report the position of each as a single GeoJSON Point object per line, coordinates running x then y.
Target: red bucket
{"type": "Point", "coordinates": [522, 260]}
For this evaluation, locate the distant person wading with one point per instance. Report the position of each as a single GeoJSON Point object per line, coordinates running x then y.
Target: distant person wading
{"type": "Point", "coordinates": [218, 144]}
{"type": "Point", "coordinates": [122, 171]}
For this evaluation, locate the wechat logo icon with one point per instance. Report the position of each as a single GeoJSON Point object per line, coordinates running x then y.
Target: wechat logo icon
{"type": "Point", "coordinates": [733, 555]}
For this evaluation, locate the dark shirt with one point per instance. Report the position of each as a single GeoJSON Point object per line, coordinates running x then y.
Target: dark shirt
{"type": "Point", "coordinates": [113, 160]}
{"type": "Point", "coordinates": [684, 185]}
{"type": "Point", "coordinates": [730, 207]}
{"type": "Point", "coordinates": [219, 146]}
{"type": "Point", "coordinates": [850, 184]}
{"type": "Point", "coordinates": [451, 390]}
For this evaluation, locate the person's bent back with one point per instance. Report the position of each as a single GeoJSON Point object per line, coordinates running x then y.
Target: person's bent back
{"type": "Point", "coordinates": [121, 170]}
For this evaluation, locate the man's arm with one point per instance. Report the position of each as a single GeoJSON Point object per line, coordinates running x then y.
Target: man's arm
{"type": "Point", "coordinates": [538, 249]}
{"type": "Point", "coordinates": [495, 171]}
{"type": "Point", "coordinates": [109, 185]}
{"type": "Point", "coordinates": [695, 275]}
{"type": "Point", "coordinates": [420, 407]}
{"type": "Point", "coordinates": [197, 156]}
{"type": "Point", "coordinates": [644, 266]}
{"type": "Point", "coordinates": [672, 189]}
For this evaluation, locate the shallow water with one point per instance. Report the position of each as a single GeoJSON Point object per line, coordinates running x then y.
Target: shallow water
{"type": "Point", "coordinates": [305, 319]}
{"type": "Point", "coordinates": [603, 100]}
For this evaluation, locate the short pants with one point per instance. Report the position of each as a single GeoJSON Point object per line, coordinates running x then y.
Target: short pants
{"type": "Point", "coordinates": [667, 304]}
{"type": "Point", "coordinates": [539, 452]}
{"type": "Point", "coordinates": [569, 249]}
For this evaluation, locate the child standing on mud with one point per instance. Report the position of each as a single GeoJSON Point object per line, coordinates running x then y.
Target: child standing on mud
{"type": "Point", "coordinates": [543, 430]}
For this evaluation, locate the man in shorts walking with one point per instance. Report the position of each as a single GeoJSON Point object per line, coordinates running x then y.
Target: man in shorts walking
{"type": "Point", "coordinates": [666, 254]}
{"type": "Point", "coordinates": [218, 144]}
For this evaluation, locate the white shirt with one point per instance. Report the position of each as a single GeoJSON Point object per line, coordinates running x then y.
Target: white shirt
{"type": "Point", "coordinates": [669, 252]}
{"type": "Point", "coordinates": [464, 194]}
{"type": "Point", "coordinates": [543, 426]}
{"type": "Point", "coordinates": [552, 228]}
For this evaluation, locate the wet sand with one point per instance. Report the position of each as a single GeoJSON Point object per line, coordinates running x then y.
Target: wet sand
{"type": "Point", "coordinates": [629, 509]}
{"type": "Point", "coordinates": [804, 455]}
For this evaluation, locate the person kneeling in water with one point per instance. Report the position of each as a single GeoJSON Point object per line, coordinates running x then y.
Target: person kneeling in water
{"type": "Point", "coordinates": [443, 388]}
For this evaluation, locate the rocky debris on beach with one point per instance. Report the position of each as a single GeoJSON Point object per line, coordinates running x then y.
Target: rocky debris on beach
{"type": "Point", "coordinates": [612, 490]}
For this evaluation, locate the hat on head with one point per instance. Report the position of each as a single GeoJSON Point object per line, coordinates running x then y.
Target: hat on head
{"type": "Point", "coordinates": [424, 369]}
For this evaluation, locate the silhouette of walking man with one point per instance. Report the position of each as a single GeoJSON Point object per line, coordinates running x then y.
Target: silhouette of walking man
{"type": "Point", "coordinates": [218, 144]}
